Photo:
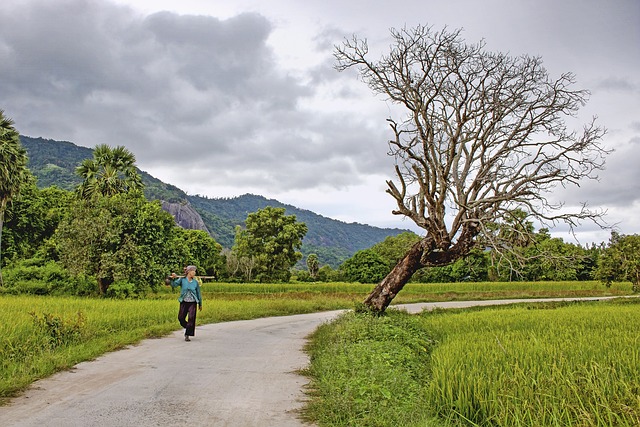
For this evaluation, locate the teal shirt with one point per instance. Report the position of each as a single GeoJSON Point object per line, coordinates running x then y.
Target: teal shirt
{"type": "Point", "coordinates": [186, 286]}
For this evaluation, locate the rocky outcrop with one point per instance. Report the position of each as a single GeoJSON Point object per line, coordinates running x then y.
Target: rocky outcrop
{"type": "Point", "coordinates": [185, 215]}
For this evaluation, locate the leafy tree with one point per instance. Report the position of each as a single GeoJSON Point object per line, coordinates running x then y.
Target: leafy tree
{"type": "Point", "coordinates": [484, 133]}
{"type": "Point", "coordinates": [203, 251]}
{"type": "Point", "coordinates": [120, 238]}
{"type": "Point", "coordinates": [365, 266]}
{"type": "Point", "coordinates": [328, 274]}
{"type": "Point", "coordinates": [32, 219]}
{"type": "Point", "coordinates": [313, 265]}
{"type": "Point", "coordinates": [111, 171]}
{"type": "Point", "coordinates": [270, 242]}
{"type": "Point", "coordinates": [621, 260]}
{"type": "Point", "coordinates": [13, 169]}
{"type": "Point", "coordinates": [394, 248]}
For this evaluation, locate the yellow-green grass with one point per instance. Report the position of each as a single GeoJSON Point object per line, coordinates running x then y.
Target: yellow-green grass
{"type": "Point", "coordinates": [68, 330]}
{"type": "Point", "coordinates": [422, 292]}
{"type": "Point", "coordinates": [536, 364]}
{"type": "Point", "coordinates": [32, 347]}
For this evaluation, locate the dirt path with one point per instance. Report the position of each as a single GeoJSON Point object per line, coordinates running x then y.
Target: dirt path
{"type": "Point", "coordinates": [238, 374]}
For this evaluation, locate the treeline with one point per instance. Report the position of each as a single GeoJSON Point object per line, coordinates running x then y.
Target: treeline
{"type": "Point", "coordinates": [543, 258]}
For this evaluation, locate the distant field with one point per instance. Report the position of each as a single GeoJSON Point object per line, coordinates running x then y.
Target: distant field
{"type": "Point", "coordinates": [42, 335]}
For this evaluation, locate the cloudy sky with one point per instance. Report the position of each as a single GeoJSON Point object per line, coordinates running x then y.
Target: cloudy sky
{"type": "Point", "coordinates": [226, 97]}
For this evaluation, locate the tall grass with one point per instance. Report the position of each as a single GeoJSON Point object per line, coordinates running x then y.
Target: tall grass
{"type": "Point", "coordinates": [561, 364]}
{"type": "Point", "coordinates": [42, 335]}
{"type": "Point", "coordinates": [578, 364]}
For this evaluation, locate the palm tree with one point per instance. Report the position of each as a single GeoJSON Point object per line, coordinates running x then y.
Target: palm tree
{"type": "Point", "coordinates": [110, 172]}
{"type": "Point", "coordinates": [13, 169]}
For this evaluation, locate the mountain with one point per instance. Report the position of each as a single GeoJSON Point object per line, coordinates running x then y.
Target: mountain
{"type": "Point", "coordinates": [54, 162]}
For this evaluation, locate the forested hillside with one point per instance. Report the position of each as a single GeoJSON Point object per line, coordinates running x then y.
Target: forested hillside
{"type": "Point", "coordinates": [332, 240]}
{"type": "Point", "coordinates": [54, 162]}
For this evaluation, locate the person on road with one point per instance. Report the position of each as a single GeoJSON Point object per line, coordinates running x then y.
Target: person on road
{"type": "Point", "coordinates": [190, 295]}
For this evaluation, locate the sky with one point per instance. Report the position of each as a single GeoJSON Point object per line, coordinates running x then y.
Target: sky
{"type": "Point", "coordinates": [222, 98]}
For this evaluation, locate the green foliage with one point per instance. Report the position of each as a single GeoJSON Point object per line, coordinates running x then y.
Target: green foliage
{"type": "Point", "coordinates": [271, 238]}
{"type": "Point", "coordinates": [202, 251]}
{"type": "Point", "coordinates": [57, 330]}
{"type": "Point", "coordinates": [13, 169]}
{"type": "Point", "coordinates": [366, 266]}
{"type": "Point", "coordinates": [122, 290]}
{"type": "Point", "coordinates": [621, 260]}
{"type": "Point", "coordinates": [123, 237]}
{"type": "Point", "coordinates": [37, 276]}
{"type": "Point", "coordinates": [394, 248]}
{"type": "Point", "coordinates": [33, 218]}
{"type": "Point", "coordinates": [13, 161]}
{"type": "Point", "coordinates": [111, 171]}
{"type": "Point", "coordinates": [313, 265]}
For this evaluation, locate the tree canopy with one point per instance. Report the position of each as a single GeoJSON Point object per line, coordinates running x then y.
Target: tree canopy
{"type": "Point", "coordinates": [270, 241]}
{"type": "Point", "coordinates": [111, 171]}
{"type": "Point", "coordinates": [621, 260]}
{"type": "Point", "coordinates": [485, 134]}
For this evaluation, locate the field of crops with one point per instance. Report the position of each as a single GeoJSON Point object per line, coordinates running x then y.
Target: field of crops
{"type": "Point", "coordinates": [42, 335]}
{"type": "Point", "coordinates": [537, 364]}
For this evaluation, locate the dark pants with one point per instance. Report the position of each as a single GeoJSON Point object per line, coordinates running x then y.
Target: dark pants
{"type": "Point", "coordinates": [190, 325]}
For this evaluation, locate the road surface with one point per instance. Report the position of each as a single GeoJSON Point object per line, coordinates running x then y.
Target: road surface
{"type": "Point", "coordinates": [235, 374]}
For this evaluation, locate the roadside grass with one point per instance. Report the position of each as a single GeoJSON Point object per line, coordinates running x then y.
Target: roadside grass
{"type": "Point", "coordinates": [43, 335]}
{"type": "Point", "coordinates": [530, 364]}
{"type": "Point", "coordinates": [40, 335]}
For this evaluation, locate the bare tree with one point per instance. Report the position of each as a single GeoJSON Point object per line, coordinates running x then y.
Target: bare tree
{"type": "Point", "coordinates": [485, 134]}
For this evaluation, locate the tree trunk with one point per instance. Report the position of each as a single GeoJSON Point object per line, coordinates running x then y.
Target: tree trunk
{"type": "Point", "coordinates": [382, 295]}
{"type": "Point", "coordinates": [103, 285]}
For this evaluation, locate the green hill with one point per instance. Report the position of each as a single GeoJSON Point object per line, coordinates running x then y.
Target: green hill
{"type": "Point", "coordinates": [54, 162]}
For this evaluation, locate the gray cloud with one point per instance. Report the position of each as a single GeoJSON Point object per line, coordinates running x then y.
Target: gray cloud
{"type": "Point", "coordinates": [252, 101]}
{"type": "Point", "coordinates": [168, 84]}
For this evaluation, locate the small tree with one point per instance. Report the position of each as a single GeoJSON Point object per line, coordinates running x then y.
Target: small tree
{"type": "Point", "coordinates": [365, 266]}
{"type": "Point", "coordinates": [120, 238]}
{"type": "Point", "coordinates": [13, 169]}
{"type": "Point", "coordinates": [313, 265]}
{"type": "Point", "coordinates": [271, 239]}
{"type": "Point", "coordinates": [621, 260]}
{"type": "Point", "coordinates": [485, 134]}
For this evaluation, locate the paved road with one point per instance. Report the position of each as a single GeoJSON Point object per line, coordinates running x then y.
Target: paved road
{"type": "Point", "coordinates": [234, 374]}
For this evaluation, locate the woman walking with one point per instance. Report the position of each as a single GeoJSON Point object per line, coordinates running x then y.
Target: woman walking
{"type": "Point", "coordinates": [189, 296]}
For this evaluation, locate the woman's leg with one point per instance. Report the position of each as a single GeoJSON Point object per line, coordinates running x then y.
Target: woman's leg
{"type": "Point", "coordinates": [182, 314]}
{"type": "Point", "coordinates": [191, 322]}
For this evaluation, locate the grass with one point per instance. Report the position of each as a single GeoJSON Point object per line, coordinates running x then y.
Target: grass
{"type": "Point", "coordinates": [43, 335]}
{"type": "Point", "coordinates": [536, 364]}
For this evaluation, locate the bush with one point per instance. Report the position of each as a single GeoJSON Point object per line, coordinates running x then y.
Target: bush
{"type": "Point", "coordinates": [38, 277]}
{"type": "Point", "coordinates": [122, 290]}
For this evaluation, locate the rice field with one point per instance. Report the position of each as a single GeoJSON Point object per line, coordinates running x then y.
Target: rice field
{"type": "Point", "coordinates": [41, 335]}
{"type": "Point", "coordinates": [536, 364]}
